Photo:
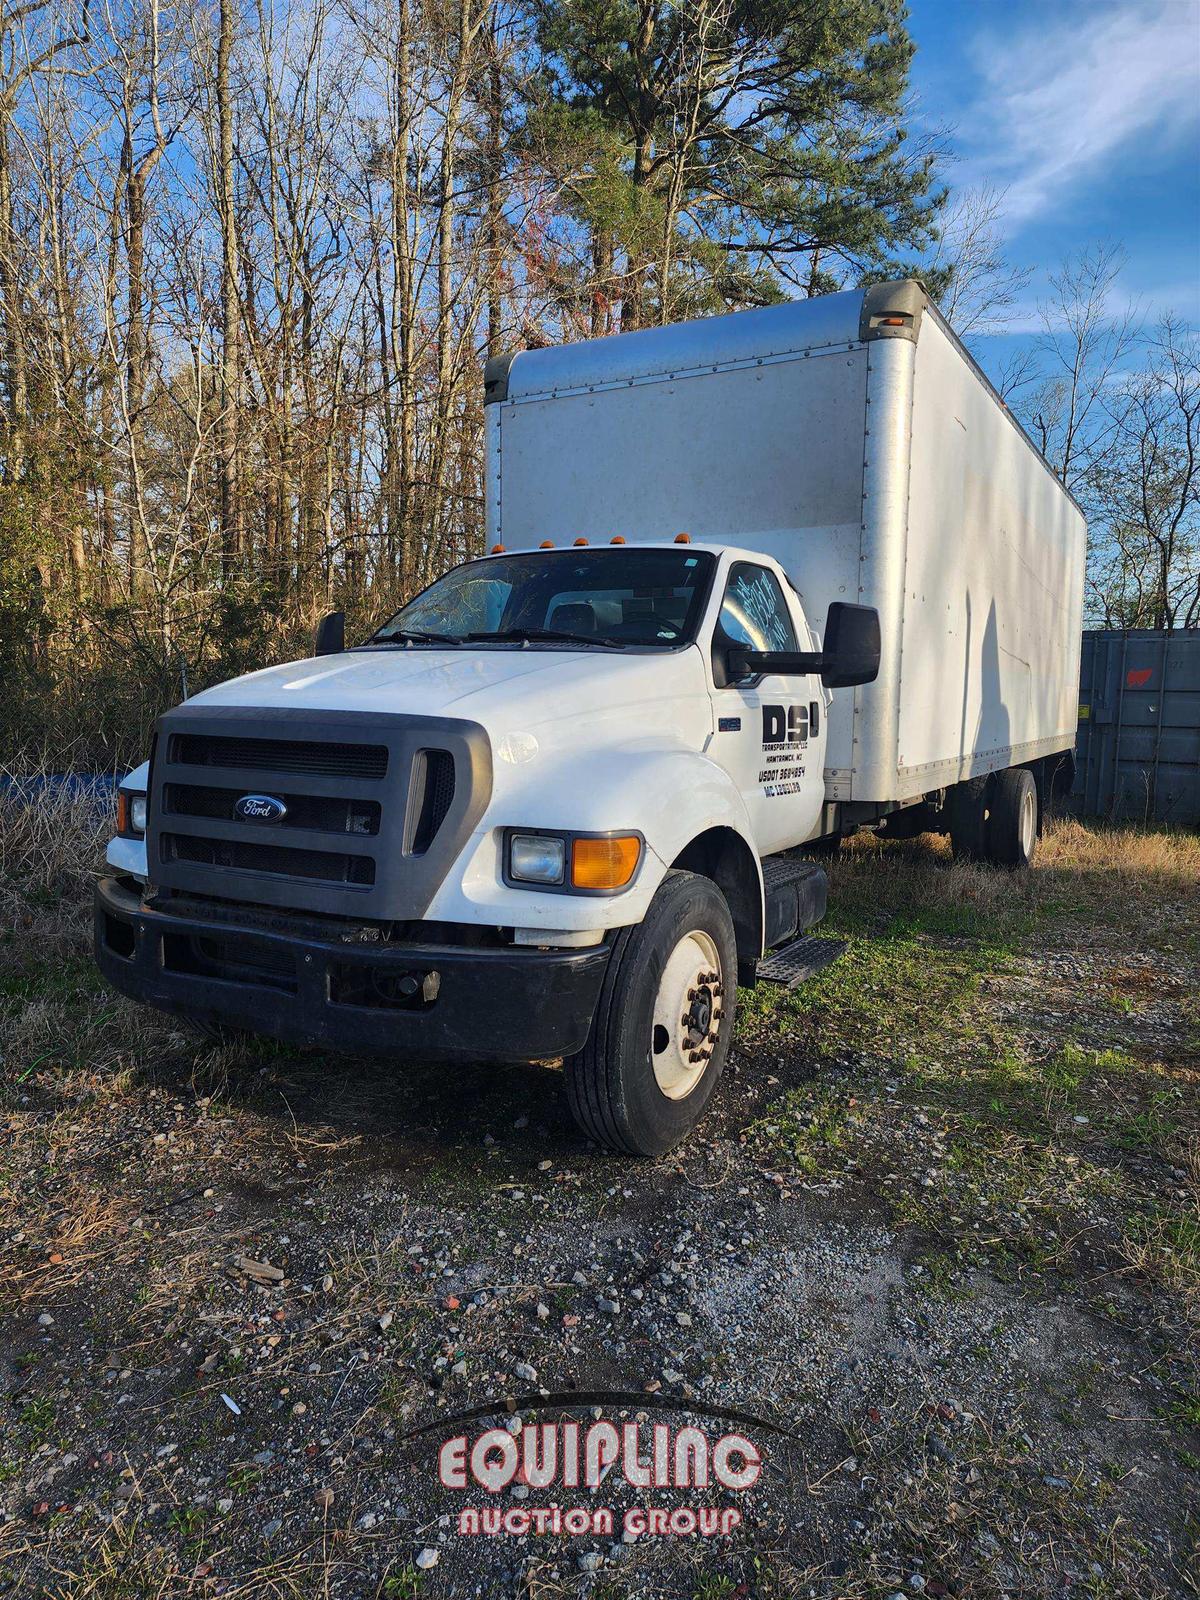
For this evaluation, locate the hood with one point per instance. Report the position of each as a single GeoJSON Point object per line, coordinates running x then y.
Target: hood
{"type": "Point", "coordinates": [537, 684]}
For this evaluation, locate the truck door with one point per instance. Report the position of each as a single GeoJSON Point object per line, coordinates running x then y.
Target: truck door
{"type": "Point", "coordinates": [770, 734]}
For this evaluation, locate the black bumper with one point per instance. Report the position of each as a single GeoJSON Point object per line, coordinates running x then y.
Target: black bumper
{"type": "Point", "coordinates": [420, 1001]}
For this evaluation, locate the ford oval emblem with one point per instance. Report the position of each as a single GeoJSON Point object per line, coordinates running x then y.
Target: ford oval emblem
{"type": "Point", "coordinates": [260, 808]}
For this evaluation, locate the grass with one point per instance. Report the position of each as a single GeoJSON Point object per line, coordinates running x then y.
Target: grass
{"type": "Point", "coordinates": [1002, 1068]}
{"type": "Point", "coordinates": [992, 1133]}
{"type": "Point", "coordinates": [406, 1583]}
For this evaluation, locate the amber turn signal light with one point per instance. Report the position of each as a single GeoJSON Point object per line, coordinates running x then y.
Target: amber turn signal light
{"type": "Point", "coordinates": [604, 863]}
{"type": "Point", "coordinates": [122, 812]}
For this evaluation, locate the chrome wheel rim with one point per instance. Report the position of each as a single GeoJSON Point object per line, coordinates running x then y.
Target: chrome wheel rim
{"type": "Point", "coordinates": [688, 1009]}
{"type": "Point", "coordinates": [1028, 822]}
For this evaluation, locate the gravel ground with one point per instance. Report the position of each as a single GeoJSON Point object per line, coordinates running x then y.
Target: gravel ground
{"type": "Point", "coordinates": [939, 1240]}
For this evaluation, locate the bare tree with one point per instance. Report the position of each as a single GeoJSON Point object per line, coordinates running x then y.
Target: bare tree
{"type": "Point", "coordinates": [982, 284]}
{"type": "Point", "coordinates": [1146, 486]}
{"type": "Point", "coordinates": [1084, 340]}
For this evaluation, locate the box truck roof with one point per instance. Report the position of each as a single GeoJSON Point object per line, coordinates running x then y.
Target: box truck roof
{"type": "Point", "coordinates": [758, 338]}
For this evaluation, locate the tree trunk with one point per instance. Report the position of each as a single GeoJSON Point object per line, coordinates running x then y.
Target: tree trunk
{"type": "Point", "coordinates": [13, 311]}
{"type": "Point", "coordinates": [232, 535]}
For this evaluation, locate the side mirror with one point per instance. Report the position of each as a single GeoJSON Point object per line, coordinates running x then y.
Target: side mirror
{"type": "Point", "coordinates": [850, 656]}
{"type": "Point", "coordinates": [852, 646]}
{"type": "Point", "coordinates": [331, 634]}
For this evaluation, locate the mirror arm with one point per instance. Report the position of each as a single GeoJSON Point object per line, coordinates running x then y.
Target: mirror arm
{"type": "Point", "coordinates": [785, 661]}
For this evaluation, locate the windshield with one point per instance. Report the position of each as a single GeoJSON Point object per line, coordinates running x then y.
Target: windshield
{"type": "Point", "coordinates": [607, 597]}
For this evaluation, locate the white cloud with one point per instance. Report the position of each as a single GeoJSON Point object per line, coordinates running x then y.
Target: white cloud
{"type": "Point", "coordinates": [1061, 98]}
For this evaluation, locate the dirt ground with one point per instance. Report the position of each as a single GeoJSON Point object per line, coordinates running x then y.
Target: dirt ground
{"type": "Point", "coordinates": [939, 1240]}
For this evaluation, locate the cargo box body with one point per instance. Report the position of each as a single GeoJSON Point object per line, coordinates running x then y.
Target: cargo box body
{"type": "Point", "coordinates": [854, 440]}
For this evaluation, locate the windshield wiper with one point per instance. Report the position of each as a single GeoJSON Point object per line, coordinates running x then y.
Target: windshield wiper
{"type": "Point", "coordinates": [415, 636]}
{"type": "Point", "coordinates": [549, 635]}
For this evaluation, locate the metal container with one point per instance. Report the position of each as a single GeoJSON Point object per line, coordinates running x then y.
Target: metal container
{"type": "Point", "coordinates": [1138, 748]}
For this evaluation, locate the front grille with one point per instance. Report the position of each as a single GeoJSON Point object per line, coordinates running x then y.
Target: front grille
{"type": "Point", "coordinates": [434, 782]}
{"type": "Point", "coordinates": [322, 866]}
{"type": "Point", "coordinates": [376, 806]}
{"type": "Point", "coordinates": [281, 755]}
{"type": "Point", "coordinates": [317, 812]}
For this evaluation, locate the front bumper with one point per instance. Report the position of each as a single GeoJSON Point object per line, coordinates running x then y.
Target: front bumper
{"type": "Point", "coordinates": [421, 1001]}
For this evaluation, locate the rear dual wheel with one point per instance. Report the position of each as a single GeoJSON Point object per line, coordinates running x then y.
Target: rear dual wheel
{"type": "Point", "coordinates": [1013, 823]}
{"type": "Point", "coordinates": [661, 1030]}
{"type": "Point", "coordinates": [995, 818]}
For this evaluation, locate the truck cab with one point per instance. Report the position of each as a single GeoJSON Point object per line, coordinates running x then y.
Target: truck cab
{"type": "Point", "coordinates": [527, 818]}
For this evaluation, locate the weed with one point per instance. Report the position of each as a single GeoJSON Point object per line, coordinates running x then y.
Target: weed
{"type": "Point", "coordinates": [406, 1583]}
{"type": "Point", "coordinates": [717, 1587]}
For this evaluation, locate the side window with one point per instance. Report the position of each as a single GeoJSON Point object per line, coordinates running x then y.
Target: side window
{"type": "Point", "coordinates": [754, 612]}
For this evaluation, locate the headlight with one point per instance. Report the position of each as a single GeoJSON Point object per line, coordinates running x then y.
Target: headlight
{"type": "Point", "coordinates": [537, 858]}
{"type": "Point", "coordinates": [580, 863]}
{"type": "Point", "coordinates": [131, 814]}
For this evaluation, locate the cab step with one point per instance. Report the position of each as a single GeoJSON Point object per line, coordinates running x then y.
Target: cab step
{"type": "Point", "coordinates": [794, 892]}
{"type": "Point", "coordinates": [800, 960]}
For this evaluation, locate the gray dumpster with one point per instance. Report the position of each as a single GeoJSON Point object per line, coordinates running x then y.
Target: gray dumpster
{"type": "Point", "coordinates": [1138, 749]}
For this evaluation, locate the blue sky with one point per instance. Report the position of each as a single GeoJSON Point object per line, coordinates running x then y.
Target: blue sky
{"type": "Point", "coordinates": [1088, 113]}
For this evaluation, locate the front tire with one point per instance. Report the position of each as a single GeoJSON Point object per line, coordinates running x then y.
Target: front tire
{"type": "Point", "coordinates": [661, 1032]}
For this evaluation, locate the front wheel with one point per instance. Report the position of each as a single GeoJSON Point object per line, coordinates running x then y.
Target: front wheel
{"type": "Point", "coordinates": [662, 1026]}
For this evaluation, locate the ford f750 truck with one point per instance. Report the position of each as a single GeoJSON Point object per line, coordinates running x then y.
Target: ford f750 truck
{"type": "Point", "coordinates": [755, 582]}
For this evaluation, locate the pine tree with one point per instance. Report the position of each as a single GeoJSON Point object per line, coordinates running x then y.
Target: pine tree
{"type": "Point", "coordinates": [728, 152]}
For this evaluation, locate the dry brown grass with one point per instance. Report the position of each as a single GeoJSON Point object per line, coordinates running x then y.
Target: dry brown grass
{"type": "Point", "coordinates": [128, 1560]}
{"type": "Point", "coordinates": [921, 873]}
{"type": "Point", "coordinates": [84, 1232]}
{"type": "Point", "coordinates": [1142, 857]}
{"type": "Point", "coordinates": [1077, 865]}
{"type": "Point", "coordinates": [51, 842]}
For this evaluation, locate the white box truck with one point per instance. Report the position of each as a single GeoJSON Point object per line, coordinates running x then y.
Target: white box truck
{"type": "Point", "coordinates": [755, 582]}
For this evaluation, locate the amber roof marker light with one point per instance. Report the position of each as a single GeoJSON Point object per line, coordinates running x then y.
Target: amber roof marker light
{"type": "Point", "coordinates": [683, 538]}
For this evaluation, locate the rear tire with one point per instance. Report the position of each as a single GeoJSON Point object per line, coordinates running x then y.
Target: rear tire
{"type": "Point", "coordinates": [1012, 829]}
{"type": "Point", "coordinates": [969, 808]}
{"type": "Point", "coordinates": [661, 1031]}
